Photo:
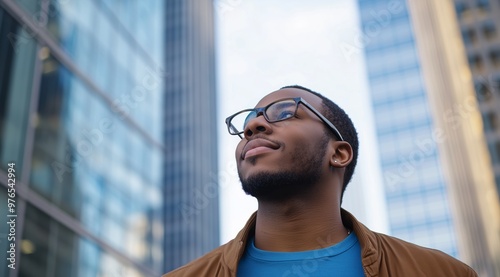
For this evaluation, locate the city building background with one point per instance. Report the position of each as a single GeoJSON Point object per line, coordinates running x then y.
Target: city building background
{"type": "Point", "coordinates": [415, 188]}
{"type": "Point", "coordinates": [107, 110]}
{"type": "Point", "coordinates": [190, 127]}
{"type": "Point", "coordinates": [462, 144]}
{"type": "Point", "coordinates": [479, 22]}
{"type": "Point", "coordinates": [437, 172]}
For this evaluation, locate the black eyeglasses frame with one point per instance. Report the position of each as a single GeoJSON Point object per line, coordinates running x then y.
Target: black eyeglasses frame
{"type": "Point", "coordinates": [262, 111]}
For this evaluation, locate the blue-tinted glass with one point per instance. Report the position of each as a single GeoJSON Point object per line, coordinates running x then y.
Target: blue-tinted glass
{"type": "Point", "coordinates": [82, 152]}
{"type": "Point", "coordinates": [281, 110]}
{"type": "Point", "coordinates": [17, 59]}
{"type": "Point", "coordinates": [410, 162]}
{"type": "Point", "coordinates": [88, 258]}
{"type": "Point", "coordinates": [249, 117]}
{"type": "Point", "coordinates": [496, 152]}
{"type": "Point", "coordinates": [4, 235]}
{"type": "Point", "coordinates": [32, 7]}
{"type": "Point", "coordinates": [104, 42]}
{"type": "Point", "coordinates": [37, 236]}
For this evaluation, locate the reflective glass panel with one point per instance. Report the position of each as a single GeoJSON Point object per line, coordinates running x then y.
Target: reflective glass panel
{"type": "Point", "coordinates": [17, 59]}
{"type": "Point", "coordinates": [89, 162]}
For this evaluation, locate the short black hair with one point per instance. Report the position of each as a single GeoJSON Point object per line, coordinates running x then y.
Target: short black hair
{"type": "Point", "coordinates": [344, 124]}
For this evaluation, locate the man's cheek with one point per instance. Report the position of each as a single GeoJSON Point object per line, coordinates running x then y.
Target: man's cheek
{"type": "Point", "coordinates": [237, 152]}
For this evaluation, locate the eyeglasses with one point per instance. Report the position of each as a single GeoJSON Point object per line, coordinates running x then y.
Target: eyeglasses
{"type": "Point", "coordinates": [277, 111]}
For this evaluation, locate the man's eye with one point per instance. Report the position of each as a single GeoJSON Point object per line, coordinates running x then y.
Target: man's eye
{"type": "Point", "coordinates": [284, 115]}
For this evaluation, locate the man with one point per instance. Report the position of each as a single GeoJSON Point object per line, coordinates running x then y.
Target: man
{"type": "Point", "coordinates": [297, 154]}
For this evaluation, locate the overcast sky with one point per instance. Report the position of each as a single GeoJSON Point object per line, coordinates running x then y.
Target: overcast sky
{"type": "Point", "coordinates": [266, 44]}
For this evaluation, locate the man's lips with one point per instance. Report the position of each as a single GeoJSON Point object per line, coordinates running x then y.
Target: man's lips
{"type": "Point", "coordinates": [258, 146]}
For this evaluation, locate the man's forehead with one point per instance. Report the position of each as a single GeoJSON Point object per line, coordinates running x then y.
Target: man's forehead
{"type": "Point", "coordinates": [312, 99]}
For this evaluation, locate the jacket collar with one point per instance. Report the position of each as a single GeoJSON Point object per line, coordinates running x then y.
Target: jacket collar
{"type": "Point", "coordinates": [367, 240]}
{"type": "Point", "coordinates": [236, 247]}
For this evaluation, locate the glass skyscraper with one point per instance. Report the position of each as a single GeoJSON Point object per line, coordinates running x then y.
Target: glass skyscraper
{"type": "Point", "coordinates": [104, 137]}
{"type": "Point", "coordinates": [191, 164]}
{"type": "Point", "coordinates": [415, 189]}
{"type": "Point", "coordinates": [479, 22]}
{"type": "Point", "coordinates": [437, 175]}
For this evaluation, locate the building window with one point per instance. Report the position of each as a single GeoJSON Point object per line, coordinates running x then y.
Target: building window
{"type": "Point", "coordinates": [495, 83]}
{"type": "Point", "coordinates": [497, 151]}
{"type": "Point", "coordinates": [491, 122]}
{"type": "Point", "coordinates": [489, 31]}
{"type": "Point", "coordinates": [494, 57]}
{"type": "Point", "coordinates": [483, 5]}
{"type": "Point", "coordinates": [483, 91]}
{"type": "Point", "coordinates": [498, 184]}
{"type": "Point", "coordinates": [483, 8]}
{"type": "Point", "coordinates": [495, 123]}
{"type": "Point", "coordinates": [469, 37]}
{"type": "Point", "coordinates": [462, 9]}
{"type": "Point", "coordinates": [459, 7]}
{"type": "Point", "coordinates": [465, 13]}
{"type": "Point", "coordinates": [17, 59]}
{"type": "Point", "coordinates": [476, 63]}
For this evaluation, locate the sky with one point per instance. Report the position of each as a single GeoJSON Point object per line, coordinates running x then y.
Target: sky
{"type": "Point", "coordinates": [265, 45]}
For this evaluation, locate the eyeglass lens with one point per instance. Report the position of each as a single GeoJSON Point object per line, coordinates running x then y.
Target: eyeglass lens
{"type": "Point", "coordinates": [275, 112]}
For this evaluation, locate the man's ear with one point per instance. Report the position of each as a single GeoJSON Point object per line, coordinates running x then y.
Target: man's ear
{"type": "Point", "coordinates": [341, 153]}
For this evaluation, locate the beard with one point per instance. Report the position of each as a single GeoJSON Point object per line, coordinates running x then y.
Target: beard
{"type": "Point", "coordinates": [288, 183]}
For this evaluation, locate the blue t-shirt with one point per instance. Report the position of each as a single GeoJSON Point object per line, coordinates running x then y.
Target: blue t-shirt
{"type": "Point", "coordinates": [341, 259]}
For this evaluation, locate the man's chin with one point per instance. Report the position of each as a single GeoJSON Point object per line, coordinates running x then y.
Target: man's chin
{"type": "Point", "coordinates": [277, 186]}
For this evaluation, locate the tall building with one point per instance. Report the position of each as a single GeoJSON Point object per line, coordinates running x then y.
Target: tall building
{"type": "Point", "coordinates": [192, 197]}
{"type": "Point", "coordinates": [479, 22]}
{"type": "Point", "coordinates": [415, 189]}
{"type": "Point", "coordinates": [463, 146]}
{"type": "Point", "coordinates": [424, 177]}
{"type": "Point", "coordinates": [90, 113]}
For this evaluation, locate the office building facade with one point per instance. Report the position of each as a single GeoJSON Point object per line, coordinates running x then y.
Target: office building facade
{"type": "Point", "coordinates": [479, 22]}
{"type": "Point", "coordinates": [463, 145]}
{"type": "Point", "coordinates": [191, 192]}
{"type": "Point", "coordinates": [86, 124]}
{"type": "Point", "coordinates": [417, 203]}
{"type": "Point", "coordinates": [422, 195]}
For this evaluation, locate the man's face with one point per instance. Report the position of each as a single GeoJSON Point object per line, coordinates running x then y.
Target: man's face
{"type": "Point", "coordinates": [282, 159]}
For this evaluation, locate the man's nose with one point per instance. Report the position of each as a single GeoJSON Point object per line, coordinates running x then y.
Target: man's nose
{"type": "Point", "coordinates": [257, 125]}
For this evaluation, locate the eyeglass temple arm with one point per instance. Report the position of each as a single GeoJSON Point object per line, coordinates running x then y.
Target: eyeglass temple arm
{"type": "Point", "coordinates": [324, 119]}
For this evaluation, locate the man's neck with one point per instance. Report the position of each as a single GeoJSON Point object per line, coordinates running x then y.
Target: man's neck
{"type": "Point", "coordinates": [298, 225]}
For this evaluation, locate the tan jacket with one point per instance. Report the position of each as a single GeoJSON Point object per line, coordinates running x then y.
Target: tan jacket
{"type": "Point", "coordinates": [381, 255]}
